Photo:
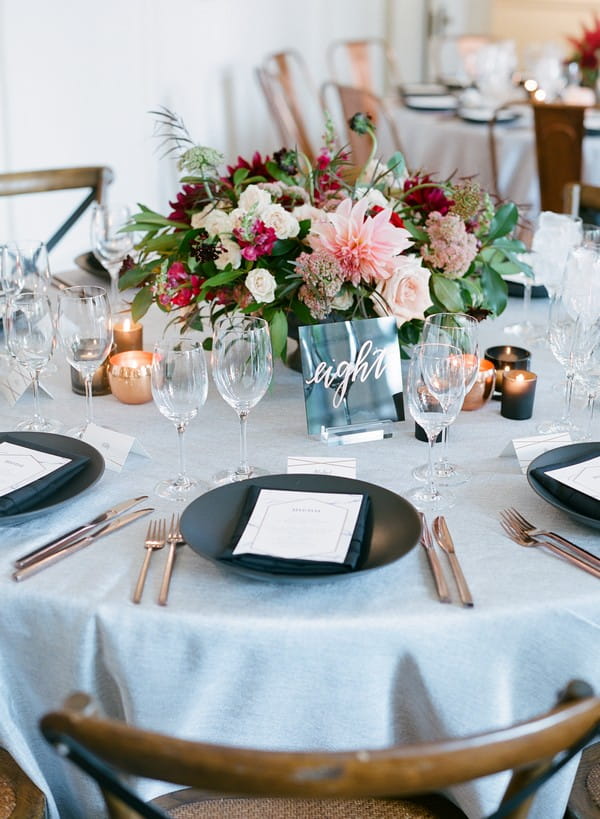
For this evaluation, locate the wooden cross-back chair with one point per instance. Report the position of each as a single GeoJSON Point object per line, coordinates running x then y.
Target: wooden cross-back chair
{"type": "Point", "coordinates": [19, 797]}
{"type": "Point", "coordinates": [368, 63]}
{"type": "Point", "coordinates": [291, 96]}
{"type": "Point", "coordinates": [579, 198]}
{"type": "Point", "coordinates": [559, 130]}
{"type": "Point", "coordinates": [95, 178]}
{"type": "Point", "coordinates": [352, 100]}
{"type": "Point", "coordinates": [358, 783]}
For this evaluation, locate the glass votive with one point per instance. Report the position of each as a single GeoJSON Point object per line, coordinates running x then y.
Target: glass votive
{"type": "Point", "coordinates": [100, 385]}
{"type": "Point", "coordinates": [518, 394]}
{"type": "Point", "coordinates": [130, 376]}
{"type": "Point", "coordinates": [128, 335]}
{"type": "Point", "coordinates": [481, 391]}
{"type": "Point", "coordinates": [506, 357]}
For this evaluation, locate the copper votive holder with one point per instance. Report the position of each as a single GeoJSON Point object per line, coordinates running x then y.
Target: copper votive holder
{"type": "Point", "coordinates": [483, 388]}
{"type": "Point", "coordinates": [130, 376]}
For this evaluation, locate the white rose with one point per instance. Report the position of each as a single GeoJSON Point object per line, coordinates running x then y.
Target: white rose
{"type": "Point", "coordinates": [254, 199]}
{"type": "Point", "coordinates": [283, 223]}
{"type": "Point", "coordinates": [214, 220]}
{"type": "Point", "coordinates": [406, 292]}
{"type": "Point", "coordinates": [230, 254]}
{"type": "Point", "coordinates": [308, 211]}
{"type": "Point", "coordinates": [343, 300]}
{"type": "Point", "coordinates": [261, 284]}
{"type": "Point", "coordinates": [373, 196]}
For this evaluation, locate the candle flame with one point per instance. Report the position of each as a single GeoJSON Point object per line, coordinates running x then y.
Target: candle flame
{"type": "Point", "coordinates": [520, 377]}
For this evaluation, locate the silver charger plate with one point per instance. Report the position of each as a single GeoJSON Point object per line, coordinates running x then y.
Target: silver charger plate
{"type": "Point", "coordinates": [393, 526]}
{"type": "Point", "coordinates": [556, 457]}
{"type": "Point", "coordinates": [87, 477]}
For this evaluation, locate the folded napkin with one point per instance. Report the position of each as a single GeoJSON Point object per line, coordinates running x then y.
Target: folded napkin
{"type": "Point", "coordinates": [575, 500]}
{"type": "Point", "coordinates": [274, 563]}
{"type": "Point", "coordinates": [35, 471]}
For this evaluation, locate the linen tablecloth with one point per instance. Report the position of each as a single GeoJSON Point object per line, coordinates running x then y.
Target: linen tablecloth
{"type": "Point", "coordinates": [364, 660]}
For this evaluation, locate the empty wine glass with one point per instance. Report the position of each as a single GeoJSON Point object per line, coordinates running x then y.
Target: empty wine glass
{"type": "Point", "coordinates": [11, 283]}
{"type": "Point", "coordinates": [110, 245]}
{"type": "Point", "coordinates": [31, 255]}
{"type": "Point", "coordinates": [179, 390]}
{"type": "Point", "coordinates": [461, 331]}
{"type": "Point", "coordinates": [85, 330]}
{"type": "Point", "coordinates": [242, 366]}
{"type": "Point", "coordinates": [31, 338]}
{"type": "Point", "coordinates": [436, 390]}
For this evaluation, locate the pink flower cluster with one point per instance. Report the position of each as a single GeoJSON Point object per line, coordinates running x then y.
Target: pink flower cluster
{"type": "Point", "coordinates": [322, 277]}
{"type": "Point", "coordinates": [255, 241]}
{"type": "Point", "coordinates": [180, 287]}
{"type": "Point", "coordinates": [450, 248]}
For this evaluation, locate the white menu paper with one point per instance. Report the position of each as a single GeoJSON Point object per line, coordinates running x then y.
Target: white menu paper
{"type": "Point", "coordinates": [584, 477]}
{"type": "Point", "coordinates": [301, 525]}
{"type": "Point", "coordinates": [20, 466]}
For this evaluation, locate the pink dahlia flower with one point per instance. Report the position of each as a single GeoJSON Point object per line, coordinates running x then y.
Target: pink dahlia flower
{"type": "Point", "coordinates": [365, 246]}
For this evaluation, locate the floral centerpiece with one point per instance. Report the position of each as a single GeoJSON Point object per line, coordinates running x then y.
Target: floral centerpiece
{"type": "Point", "coordinates": [587, 52]}
{"type": "Point", "coordinates": [282, 237]}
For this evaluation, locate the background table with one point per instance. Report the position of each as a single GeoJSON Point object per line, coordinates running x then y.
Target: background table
{"type": "Point", "coordinates": [444, 144]}
{"type": "Point", "coordinates": [369, 659]}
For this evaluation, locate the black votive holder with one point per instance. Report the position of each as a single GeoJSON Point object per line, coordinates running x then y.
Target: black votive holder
{"type": "Point", "coordinates": [506, 357]}
{"type": "Point", "coordinates": [421, 435]}
{"type": "Point", "coordinates": [518, 394]}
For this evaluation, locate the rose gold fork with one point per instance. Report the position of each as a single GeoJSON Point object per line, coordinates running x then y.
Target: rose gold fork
{"type": "Point", "coordinates": [155, 539]}
{"type": "Point", "coordinates": [174, 539]}
{"type": "Point", "coordinates": [531, 531]}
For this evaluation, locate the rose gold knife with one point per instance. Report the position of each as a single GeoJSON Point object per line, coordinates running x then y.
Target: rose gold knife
{"type": "Point", "coordinates": [444, 538]}
{"type": "Point", "coordinates": [438, 575]}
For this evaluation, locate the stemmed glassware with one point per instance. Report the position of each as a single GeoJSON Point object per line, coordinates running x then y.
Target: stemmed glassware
{"type": "Point", "coordinates": [461, 331]}
{"type": "Point", "coordinates": [179, 390]}
{"type": "Point", "coordinates": [436, 390]}
{"type": "Point", "coordinates": [31, 338]}
{"type": "Point", "coordinates": [242, 366]}
{"type": "Point", "coordinates": [11, 284]}
{"type": "Point", "coordinates": [111, 245]}
{"type": "Point", "coordinates": [85, 330]}
{"type": "Point", "coordinates": [31, 255]}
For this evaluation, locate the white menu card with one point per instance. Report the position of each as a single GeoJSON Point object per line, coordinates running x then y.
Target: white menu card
{"type": "Point", "coordinates": [20, 466]}
{"type": "Point", "coordinates": [584, 477]}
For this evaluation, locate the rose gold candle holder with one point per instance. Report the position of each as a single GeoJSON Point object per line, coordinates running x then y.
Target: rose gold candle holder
{"type": "Point", "coordinates": [483, 388]}
{"type": "Point", "coordinates": [130, 376]}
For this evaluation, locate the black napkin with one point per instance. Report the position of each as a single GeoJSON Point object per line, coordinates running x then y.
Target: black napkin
{"type": "Point", "coordinates": [20, 500]}
{"type": "Point", "coordinates": [357, 551]}
{"type": "Point", "coordinates": [576, 501]}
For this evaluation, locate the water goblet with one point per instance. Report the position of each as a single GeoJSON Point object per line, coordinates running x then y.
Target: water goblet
{"type": "Point", "coordinates": [111, 244]}
{"type": "Point", "coordinates": [461, 331]}
{"type": "Point", "coordinates": [179, 390]}
{"type": "Point", "coordinates": [31, 338]}
{"type": "Point", "coordinates": [242, 366]}
{"type": "Point", "coordinates": [435, 390]}
{"type": "Point", "coordinates": [85, 330]}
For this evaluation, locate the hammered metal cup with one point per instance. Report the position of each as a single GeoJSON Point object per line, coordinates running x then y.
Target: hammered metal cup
{"type": "Point", "coordinates": [483, 388]}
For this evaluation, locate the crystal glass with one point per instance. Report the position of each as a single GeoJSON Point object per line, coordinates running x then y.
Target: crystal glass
{"type": "Point", "coordinates": [32, 257]}
{"type": "Point", "coordinates": [11, 283]}
{"type": "Point", "coordinates": [554, 236]}
{"type": "Point", "coordinates": [85, 330]}
{"type": "Point", "coordinates": [110, 245]}
{"type": "Point", "coordinates": [435, 390]}
{"type": "Point", "coordinates": [590, 380]}
{"type": "Point", "coordinates": [179, 390]}
{"type": "Point", "coordinates": [31, 338]}
{"type": "Point", "coordinates": [462, 332]}
{"type": "Point", "coordinates": [242, 366]}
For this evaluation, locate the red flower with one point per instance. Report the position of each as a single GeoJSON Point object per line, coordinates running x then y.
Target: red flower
{"type": "Point", "coordinates": [257, 167]}
{"type": "Point", "coordinates": [588, 45]}
{"type": "Point", "coordinates": [395, 218]}
{"type": "Point", "coordinates": [182, 286]}
{"type": "Point", "coordinates": [256, 242]}
{"type": "Point", "coordinates": [188, 199]}
{"type": "Point", "coordinates": [426, 199]}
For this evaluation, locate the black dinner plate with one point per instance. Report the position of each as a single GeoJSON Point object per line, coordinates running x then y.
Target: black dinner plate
{"type": "Point", "coordinates": [207, 524]}
{"type": "Point", "coordinates": [89, 263]}
{"type": "Point", "coordinates": [556, 457]}
{"type": "Point", "coordinates": [89, 475]}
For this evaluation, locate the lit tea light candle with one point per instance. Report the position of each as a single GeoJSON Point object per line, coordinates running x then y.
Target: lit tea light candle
{"type": "Point", "coordinates": [518, 394]}
{"type": "Point", "coordinates": [505, 358]}
{"type": "Point", "coordinates": [128, 335]}
{"type": "Point", "coordinates": [481, 391]}
{"type": "Point", "coordinates": [130, 376]}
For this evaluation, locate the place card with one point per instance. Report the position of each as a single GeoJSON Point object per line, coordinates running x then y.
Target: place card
{"type": "Point", "coordinates": [20, 466]}
{"type": "Point", "coordinates": [15, 383]}
{"type": "Point", "coordinates": [528, 448]}
{"type": "Point", "coordinates": [114, 446]}
{"type": "Point", "coordinates": [583, 477]}
{"type": "Point", "coordinates": [301, 525]}
{"type": "Point", "coordinates": [342, 467]}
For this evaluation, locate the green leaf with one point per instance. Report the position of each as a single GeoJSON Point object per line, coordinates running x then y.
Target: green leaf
{"type": "Point", "coordinates": [417, 233]}
{"type": "Point", "coordinates": [509, 245]}
{"type": "Point", "coordinates": [239, 175]}
{"type": "Point", "coordinates": [223, 277]}
{"type": "Point", "coordinates": [447, 292]}
{"type": "Point", "coordinates": [141, 303]}
{"type": "Point", "coordinates": [279, 331]}
{"type": "Point", "coordinates": [396, 163]}
{"type": "Point", "coordinates": [503, 222]}
{"type": "Point", "coordinates": [134, 277]}
{"type": "Point", "coordinates": [495, 290]}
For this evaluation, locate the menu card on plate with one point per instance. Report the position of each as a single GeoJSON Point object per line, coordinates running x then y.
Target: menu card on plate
{"type": "Point", "coordinates": [28, 473]}
{"type": "Point", "coordinates": [293, 531]}
{"type": "Point", "coordinates": [583, 476]}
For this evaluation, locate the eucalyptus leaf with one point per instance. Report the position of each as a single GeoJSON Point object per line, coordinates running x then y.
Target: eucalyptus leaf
{"type": "Point", "coordinates": [141, 303]}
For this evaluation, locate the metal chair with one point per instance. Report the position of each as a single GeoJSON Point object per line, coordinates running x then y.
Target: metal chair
{"type": "Point", "coordinates": [357, 783]}
{"type": "Point", "coordinates": [95, 178]}
{"type": "Point", "coordinates": [370, 64]}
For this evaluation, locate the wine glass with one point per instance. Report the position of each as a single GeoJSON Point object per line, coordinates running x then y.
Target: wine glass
{"type": "Point", "coordinates": [461, 331]}
{"type": "Point", "coordinates": [436, 390]}
{"type": "Point", "coordinates": [242, 366]}
{"type": "Point", "coordinates": [31, 338]}
{"type": "Point", "coordinates": [179, 389]}
{"type": "Point", "coordinates": [111, 245]}
{"type": "Point", "coordinates": [555, 235]}
{"type": "Point", "coordinates": [11, 284]}
{"type": "Point", "coordinates": [85, 330]}
{"type": "Point", "coordinates": [32, 257]}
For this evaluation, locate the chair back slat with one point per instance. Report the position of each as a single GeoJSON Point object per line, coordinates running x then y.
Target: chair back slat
{"type": "Point", "coordinates": [559, 142]}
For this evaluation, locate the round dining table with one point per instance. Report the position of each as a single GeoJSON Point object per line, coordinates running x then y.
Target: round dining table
{"type": "Point", "coordinates": [365, 659]}
{"type": "Point", "coordinates": [446, 143]}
